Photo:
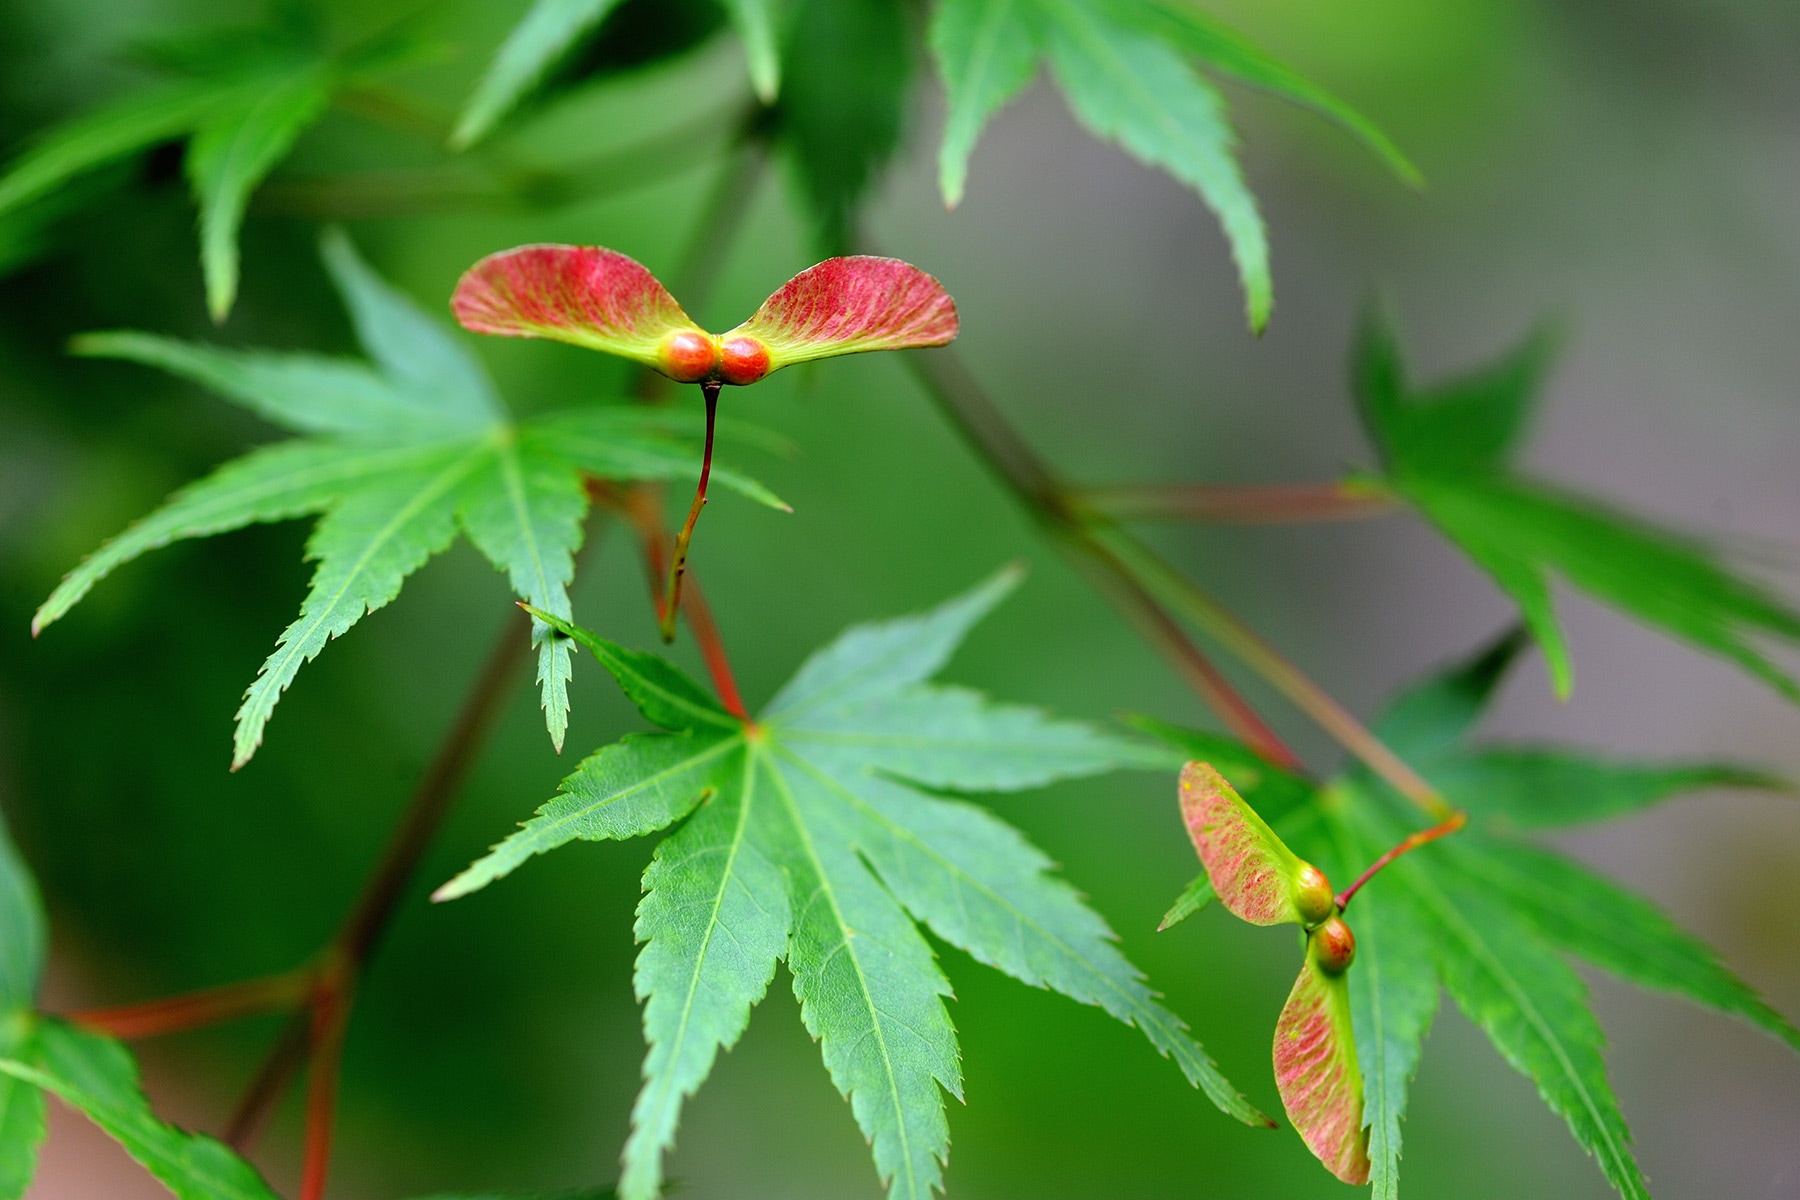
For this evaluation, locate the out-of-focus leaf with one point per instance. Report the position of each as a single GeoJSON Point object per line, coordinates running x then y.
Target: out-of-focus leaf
{"type": "Point", "coordinates": [849, 306]}
{"type": "Point", "coordinates": [806, 839]}
{"type": "Point", "coordinates": [1271, 790]}
{"type": "Point", "coordinates": [545, 34]}
{"type": "Point", "coordinates": [846, 68]}
{"type": "Point", "coordinates": [235, 146]}
{"type": "Point", "coordinates": [21, 969]}
{"type": "Point", "coordinates": [1532, 788]}
{"type": "Point", "coordinates": [1583, 914]}
{"type": "Point", "coordinates": [1183, 25]}
{"type": "Point", "coordinates": [21, 932]}
{"type": "Point", "coordinates": [125, 127]}
{"type": "Point", "coordinates": [1521, 532]}
{"type": "Point", "coordinates": [421, 449]}
{"type": "Point", "coordinates": [424, 359]}
{"type": "Point", "coordinates": [1431, 718]}
{"type": "Point", "coordinates": [97, 1076]}
{"type": "Point", "coordinates": [1131, 88]}
{"type": "Point", "coordinates": [1445, 451]}
{"type": "Point", "coordinates": [986, 51]}
{"type": "Point", "coordinates": [755, 22]}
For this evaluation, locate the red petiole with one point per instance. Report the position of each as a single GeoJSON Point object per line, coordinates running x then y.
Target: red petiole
{"type": "Point", "coordinates": [1411, 842]}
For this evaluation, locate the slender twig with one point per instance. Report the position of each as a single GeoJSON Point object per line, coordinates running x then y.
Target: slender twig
{"type": "Point", "coordinates": [678, 556]}
{"type": "Point", "coordinates": [343, 960]}
{"type": "Point", "coordinates": [641, 508]}
{"type": "Point", "coordinates": [1451, 824]}
{"type": "Point", "coordinates": [1220, 623]}
{"type": "Point", "coordinates": [325, 1052]}
{"type": "Point", "coordinates": [963, 401]}
{"type": "Point", "coordinates": [195, 1010]}
{"type": "Point", "coordinates": [270, 1083]}
{"type": "Point", "coordinates": [1340, 500]}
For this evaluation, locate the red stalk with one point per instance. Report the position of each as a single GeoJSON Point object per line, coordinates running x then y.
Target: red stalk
{"type": "Point", "coordinates": [1413, 841]}
{"type": "Point", "coordinates": [678, 561]}
{"type": "Point", "coordinates": [196, 1010]}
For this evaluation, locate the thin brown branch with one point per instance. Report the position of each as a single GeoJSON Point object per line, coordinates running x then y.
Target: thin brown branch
{"type": "Point", "coordinates": [963, 401]}
{"type": "Point", "coordinates": [640, 505]}
{"type": "Point", "coordinates": [1340, 500]}
{"type": "Point", "coordinates": [195, 1010]}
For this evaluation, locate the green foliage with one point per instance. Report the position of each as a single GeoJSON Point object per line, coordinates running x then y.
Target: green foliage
{"type": "Point", "coordinates": [848, 70]}
{"type": "Point", "coordinates": [1490, 917]}
{"type": "Point", "coordinates": [552, 30]}
{"type": "Point", "coordinates": [1445, 451]}
{"type": "Point", "coordinates": [807, 839]}
{"type": "Point", "coordinates": [92, 1074]}
{"type": "Point", "coordinates": [398, 454]}
{"type": "Point", "coordinates": [97, 1076]}
{"type": "Point", "coordinates": [242, 103]}
{"type": "Point", "coordinates": [1123, 65]}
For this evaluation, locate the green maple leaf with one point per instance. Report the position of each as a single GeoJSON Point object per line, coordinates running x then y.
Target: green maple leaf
{"type": "Point", "coordinates": [397, 455]}
{"type": "Point", "coordinates": [1124, 66]}
{"type": "Point", "coordinates": [1491, 917]}
{"type": "Point", "coordinates": [238, 100]}
{"type": "Point", "coordinates": [93, 1074]}
{"type": "Point", "coordinates": [1445, 451]}
{"type": "Point", "coordinates": [804, 836]}
{"type": "Point", "coordinates": [552, 29]}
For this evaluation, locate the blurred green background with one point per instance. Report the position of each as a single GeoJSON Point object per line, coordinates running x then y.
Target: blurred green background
{"type": "Point", "coordinates": [1630, 168]}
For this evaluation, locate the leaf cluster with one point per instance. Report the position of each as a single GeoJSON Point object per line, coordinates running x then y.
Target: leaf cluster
{"type": "Point", "coordinates": [1491, 915]}
{"type": "Point", "coordinates": [396, 455]}
{"type": "Point", "coordinates": [1448, 451]}
{"type": "Point", "coordinates": [812, 836]}
{"type": "Point", "coordinates": [236, 100]}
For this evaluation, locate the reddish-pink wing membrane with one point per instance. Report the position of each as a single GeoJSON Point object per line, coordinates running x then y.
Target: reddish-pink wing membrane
{"type": "Point", "coordinates": [1256, 876]}
{"type": "Point", "coordinates": [1315, 1057]}
{"type": "Point", "coordinates": [589, 296]}
{"type": "Point", "coordinates": [848, 306]}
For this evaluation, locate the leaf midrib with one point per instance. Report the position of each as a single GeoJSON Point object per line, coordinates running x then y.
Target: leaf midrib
{"type": "Point", "coordinates": [1448, 915]}
{"type": "Point", "coordinates": [845, 934]}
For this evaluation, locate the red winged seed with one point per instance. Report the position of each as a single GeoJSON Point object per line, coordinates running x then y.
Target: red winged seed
{"type": "Point", "coordinates": [850, 305]}
{"type": "Point", "coordinates": [1316, 1070]}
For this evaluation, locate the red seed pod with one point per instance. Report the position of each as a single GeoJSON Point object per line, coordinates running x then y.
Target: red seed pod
{"type": "Point", "coordinates": [1333, 946]}
{"type": "Point", "coordinates": [687, 357]}
{"type": "Point", "coordinates": [1312, 895]}
{"type": "Point", "coordinates": [743, 360]}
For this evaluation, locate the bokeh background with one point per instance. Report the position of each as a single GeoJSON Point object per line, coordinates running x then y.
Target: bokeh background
{"type": "Point", "coordinates": [1629, 169]}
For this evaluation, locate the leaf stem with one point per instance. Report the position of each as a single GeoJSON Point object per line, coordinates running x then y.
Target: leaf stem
{"type": "Point", "coordinates": [196, 1010]}
{"type": "Point", "coordinates": [1219, 622]}
{"type": "Point", "coordinates": [961, 399]}
{"type": "Point", "coordinates": [639, 505]}
{"type": "Point", "coordinates": [1339, 500]}
{"type": "Point", "coordinates": [341, 962]}
{"type": "Point", "coordinates": [670, 608]}
{"type": "Point", "coordinates": [1450, 825]}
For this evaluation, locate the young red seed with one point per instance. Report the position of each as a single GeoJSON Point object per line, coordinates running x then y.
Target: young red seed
{"type": "Point", "coordinates": [688, 357]}
{"type": "Point", "coordinates": [1312, 895]}
{"type": "Point", "coordinates": [1333, 946]}
{"type": "Point", "coordinates": [743, 360]}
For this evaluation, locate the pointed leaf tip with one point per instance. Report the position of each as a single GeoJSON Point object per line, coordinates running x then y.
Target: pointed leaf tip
{"type": "Point", "coordinates": [851, 305]}
{"type": "Point", "coordinates": [584, 295]}
{"type": "Point", "coordinates": [1316, 1070]}
{"type": "Point", "coordinates": [1256, 877]}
